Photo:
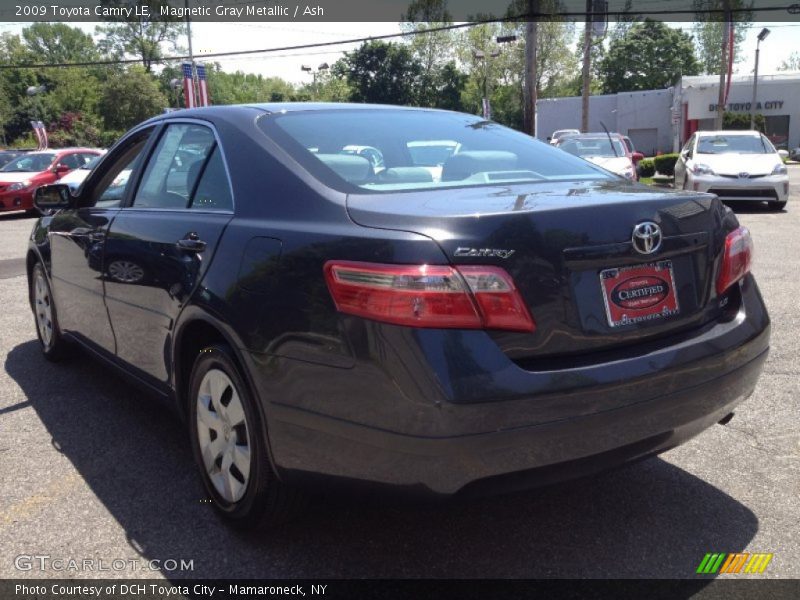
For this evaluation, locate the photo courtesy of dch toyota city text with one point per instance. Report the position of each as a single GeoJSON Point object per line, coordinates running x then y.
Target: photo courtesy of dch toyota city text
{"type": "Point", "coordinates": [400, 299]}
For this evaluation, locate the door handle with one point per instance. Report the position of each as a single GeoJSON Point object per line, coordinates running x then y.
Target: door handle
{"type": "Point", "coordinates": [191, 243]}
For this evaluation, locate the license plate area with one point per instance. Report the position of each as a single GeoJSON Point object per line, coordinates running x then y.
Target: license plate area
{"type": "Point", "coordinates": [639, 294]}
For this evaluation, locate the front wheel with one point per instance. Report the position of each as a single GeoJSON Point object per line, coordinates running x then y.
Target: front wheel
{"type": "Point", "coordinates": [777, 206]}
{"type": "Point", "coordinates": [229, 445]}
{"type": "Point", "coordinates": [54, 346]}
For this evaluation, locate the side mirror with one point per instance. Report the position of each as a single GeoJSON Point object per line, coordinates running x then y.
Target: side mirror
{"type": "Point", "coordinates": [636, 157]}
{"type": "Point", "coordinates": [61, 169]}
{"type": "Point", "coordinates": [53, 197]}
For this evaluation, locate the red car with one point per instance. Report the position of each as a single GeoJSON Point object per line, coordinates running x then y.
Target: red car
{"type": "Point", "coordinates": [20, 177]}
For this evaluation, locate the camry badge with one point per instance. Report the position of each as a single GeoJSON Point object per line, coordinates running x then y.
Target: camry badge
{"type": "Point", "coordinates": [646, 237]}
{"type": "Point", "coordinates": [499, 252]}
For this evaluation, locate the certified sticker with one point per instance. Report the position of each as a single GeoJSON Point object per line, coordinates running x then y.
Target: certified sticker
{"type": "Point", "coordinates": [639, 293]}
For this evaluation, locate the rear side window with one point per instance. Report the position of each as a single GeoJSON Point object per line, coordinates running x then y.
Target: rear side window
{"type": "Point", "coordinates": [383, 150]}
{"type": "Point", "coordinates": [175, 166]}
{"type": "Point", "coordinates": [213, 191]}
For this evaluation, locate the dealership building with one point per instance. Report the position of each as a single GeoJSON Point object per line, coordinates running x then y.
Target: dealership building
{"type": "Point", "coordinates": [661, 120]}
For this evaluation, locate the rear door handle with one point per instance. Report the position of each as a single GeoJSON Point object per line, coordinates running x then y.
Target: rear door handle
{"type": "Point", "coordinates": [191, 243]}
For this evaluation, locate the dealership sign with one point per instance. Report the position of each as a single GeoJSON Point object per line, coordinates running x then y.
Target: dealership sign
{"type": "Point", "coordinates": [745, 106]}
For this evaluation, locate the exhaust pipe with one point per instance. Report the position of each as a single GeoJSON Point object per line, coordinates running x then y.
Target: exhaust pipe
{"type": "Point", "coordinates": [726, 419]}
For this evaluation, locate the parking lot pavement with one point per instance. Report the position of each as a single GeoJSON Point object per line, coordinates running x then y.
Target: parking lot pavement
{"type": "Point", "coordinates": [93, 469]}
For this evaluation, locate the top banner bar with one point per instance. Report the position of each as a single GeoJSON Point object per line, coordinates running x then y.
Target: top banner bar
{"type": "Point", "coordinates": [395, 10]}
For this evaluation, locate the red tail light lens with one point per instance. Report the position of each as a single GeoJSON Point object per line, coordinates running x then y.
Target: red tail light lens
{"type": "Point", "coordinates": [736, 258]}
{"type": "Point", "coordinates": [428, 295]}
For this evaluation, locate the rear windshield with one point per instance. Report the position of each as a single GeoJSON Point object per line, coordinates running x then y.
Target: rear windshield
{"type": "Point", "coordinates": [375, 150]}
{"type": "Point", "coordinates": [591, 147]}
{"type": "Point", "coordinates": [734, 144]}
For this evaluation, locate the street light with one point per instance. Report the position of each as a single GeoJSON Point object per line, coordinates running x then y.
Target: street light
{"type": "Point", "coordinates": [481, 55]}
{"type": "Point", "coordinates": [307, 68]}
{"type": "Point", "coordinates": [761, 37]}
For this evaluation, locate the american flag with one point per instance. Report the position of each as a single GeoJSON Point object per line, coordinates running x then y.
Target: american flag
{"type": "Point", "coordinates": [188, 85]}
{"type": "Point", "coordinates": [202, 85]}
{"type": "Point", "coordinates": [41, 135]}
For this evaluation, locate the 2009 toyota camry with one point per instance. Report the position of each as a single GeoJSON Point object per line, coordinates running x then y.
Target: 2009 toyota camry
{"type": "Point", "coordinates": [396, 296]}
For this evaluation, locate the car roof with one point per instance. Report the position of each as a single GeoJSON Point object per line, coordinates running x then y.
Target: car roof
{"type": "Point", "coordinates": [745, 132]}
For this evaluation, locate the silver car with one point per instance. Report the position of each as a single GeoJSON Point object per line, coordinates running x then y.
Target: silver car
{"type": "Point", "coordinates": [734, 165]}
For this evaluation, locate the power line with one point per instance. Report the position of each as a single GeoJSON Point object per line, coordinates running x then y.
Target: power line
{"type": "Point", "coordinates": [402, 34]}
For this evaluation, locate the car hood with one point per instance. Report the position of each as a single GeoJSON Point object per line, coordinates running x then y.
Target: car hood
{"type": "Point", "coordinates": [615, 164]}
{"type": "Point", "coordinates": [733, 164]}
{"type": "Point", "coordinates": [11, 177]}
{"type": "Point", "coordinates": [76, 176]}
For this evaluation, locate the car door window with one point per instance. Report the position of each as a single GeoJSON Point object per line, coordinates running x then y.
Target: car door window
{"type": "Point", "coordinates": [213, 190]}
{"type": "Point", "coordinates": [175, 167]}
{"type": "Point", "coordinates": [70, 160]}
{"type": "Point", "coordinates": [114, 182]}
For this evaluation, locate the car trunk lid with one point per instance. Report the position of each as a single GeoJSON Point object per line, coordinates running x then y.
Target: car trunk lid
{"type": "Point", "coordinates": [559, 240]}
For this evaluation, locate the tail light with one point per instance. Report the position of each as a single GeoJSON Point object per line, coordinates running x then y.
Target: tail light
{"type": "Point", "coordinates": [467, 297]}
{"type": "Point", "coordinates": [736, 258]}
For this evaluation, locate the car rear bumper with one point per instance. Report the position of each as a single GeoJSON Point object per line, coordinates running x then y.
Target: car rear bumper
{"type": "Point", "coordinates": [355, 426]}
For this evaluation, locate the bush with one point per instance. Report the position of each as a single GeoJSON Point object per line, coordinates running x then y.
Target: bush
{"type": "Point", "coordinates": [732, 120]}
{"type": "Point", "coordinates": [646, 167]}
{"type": "Point", "coordinates": [665, 164]}
{"type": "Point", "coordinates": [109, 137]}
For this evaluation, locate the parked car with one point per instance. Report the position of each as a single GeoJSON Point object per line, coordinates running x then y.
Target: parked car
{"type": "Point", "coordinates": [560, 133]}
{"type": "Point", "coordinates": [21, 176]}
{"type": "Point", "coordinates": [527, 318]}
{"type": "Point", "coordinates": [605, 150]}
{"type": "Point", "coordinates": [6, 156]}
{"type": "Point", "coordinates": [795, 154]}
{"type": "Point", "coordinates": [75, 178]}
{"type": "Point", "coordinates": [734, 165]}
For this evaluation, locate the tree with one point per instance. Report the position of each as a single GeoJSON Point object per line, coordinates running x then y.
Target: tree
{"type": "Point", "coordinates": [792, 63]}
{"type": "Point", "coordinates": [140, 37]}
{"type": "Point", "coordinates": [382, 73]}
{"type": "Point", "coordinates": [709, 29]}
{"type": "Point", "coordinates": [129, 98]}
{"type": "Point", "coordinates": [58, 43]}
{"type": "Point", "coordinates": [649, 56]}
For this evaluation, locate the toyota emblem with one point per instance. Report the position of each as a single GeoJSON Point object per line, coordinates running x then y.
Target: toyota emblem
{"type": "Point", "coordinates": [646, 237]}
{"type": "Point", "coordinates": [744, 175]}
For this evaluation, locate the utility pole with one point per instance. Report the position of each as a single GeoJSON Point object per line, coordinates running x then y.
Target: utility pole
{"type": "Point", "coordinates": [587, 63]}
{"type": "Point", "coordinates": [760, 38]}
{"type": "Point", "coordinates": [723, 65]}
{"type": "Point", "coordinates": [531, 35]}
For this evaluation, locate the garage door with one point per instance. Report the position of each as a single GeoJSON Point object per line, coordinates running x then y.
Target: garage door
{"type": "Point", "coordinates": [645, 140]}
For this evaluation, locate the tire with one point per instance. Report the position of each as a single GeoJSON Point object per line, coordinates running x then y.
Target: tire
{"type": "Point", "coordinates": [777, 206]}
{"type": "Point", "coordinates": [54, 346]}
{"type": "Point", "coordinates": [236, 470]}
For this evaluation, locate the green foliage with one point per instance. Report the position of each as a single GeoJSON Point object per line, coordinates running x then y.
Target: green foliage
{"type": "Point", "coordinates": [74, 129]}
{"type": "Point", "coordinates": [734, 120]}
{"type": "Point", "coordinates": [709, 29]}
{"type": "Point", "coordinates": [649, 56]}
{"type": "Point", "coordinates": [382, 73]}
{"type": "Point", "coordinates": [646, 167]}
{"type": "Point", "coordinates": [143, 38]}
{"type": "Point", "coordinates": [665, 164]}
{"type": "Point", "coordinates": [58, 42]}
{"type": "Point", "coordinates": [129, 98]}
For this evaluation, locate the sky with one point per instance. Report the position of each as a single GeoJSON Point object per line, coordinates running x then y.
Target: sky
{"type": "Point", "coordinates": [222, 37]}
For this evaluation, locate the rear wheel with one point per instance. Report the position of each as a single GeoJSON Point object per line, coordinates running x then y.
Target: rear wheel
{"type": "Point", "coordinates": [54, 346]}
{"type": "Point", "coordinates": [229, 445]}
